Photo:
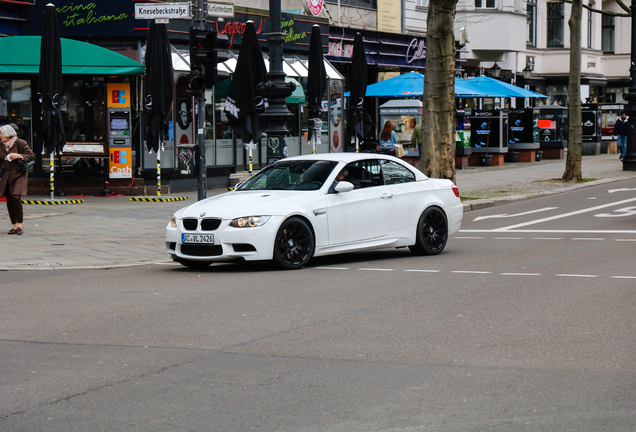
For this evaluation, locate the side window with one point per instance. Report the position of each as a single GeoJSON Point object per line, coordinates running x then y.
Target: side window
{"type": "Point", "coordinates": [394, 173]}
{"type": "Point", "coordinates": [367, 173]}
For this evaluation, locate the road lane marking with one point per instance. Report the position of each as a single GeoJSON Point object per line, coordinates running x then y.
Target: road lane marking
{"type": "Point", "coordinates": [332, 268]}
{"type": "Point", "coordinates": [544, 231]}
{"type": "Point", "coordinates": [620, 190]}
{"type": "Point", "coordinates": [468, 238]}
{"type": "Point", "coordinates": [471, 272]}
{"type": "Point", "coordinates": [627, 240]}
{"type": "Point", "coordinates": [564, 215]}
{"type": "Point", "coordinates": [520, 274]}
{"type": "Point", "coordinates": [577, 275]}
{"type": "Point", "coordinates": [506, 215]}
{"type": "Point", "coordinates": [627, 211]}
{"type": "Point", "coordinates": [547, 238]}
{"type": "Point", "coordinates": [623, 277]}
{"type": "Point", "coordinates": [377, 269]}
{"type": "Point", "coordinates": [588, 238]}
{"type": "Point", "coordinates": [424, 271]}
{"type": "Point", "coordinates": [507, 238]}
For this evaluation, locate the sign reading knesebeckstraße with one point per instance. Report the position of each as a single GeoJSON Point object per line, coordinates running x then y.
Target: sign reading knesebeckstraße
{"type": "Point", "coordinates": [162, 10]}
{"type": "Point", "coordinates": [220, 10]}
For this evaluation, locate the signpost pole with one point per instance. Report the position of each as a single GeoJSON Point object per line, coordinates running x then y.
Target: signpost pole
{"type": "Point", "coordinates": [200, 114]}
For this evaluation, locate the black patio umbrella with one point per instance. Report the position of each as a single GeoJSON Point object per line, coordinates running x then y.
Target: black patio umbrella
{"type": "Point", "coordinates": [159, 85]}
{"type": "Point", "coordinates": [315, 86]}
{"type": "Point", "coordinates": [359, 118]}
{"type": "Point", "coordinates": [50, 83]}
{"type": "Point", "coordinates": [244, 104]}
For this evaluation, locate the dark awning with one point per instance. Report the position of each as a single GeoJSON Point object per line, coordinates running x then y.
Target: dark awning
{"type": "Point", "coordinates": [21, 54]}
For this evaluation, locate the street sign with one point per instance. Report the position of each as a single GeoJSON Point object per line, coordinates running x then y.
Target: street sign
{"type": "Point", "coordinates": [162, 10]}
{"type": "Point", "coordinates": [220, 10]}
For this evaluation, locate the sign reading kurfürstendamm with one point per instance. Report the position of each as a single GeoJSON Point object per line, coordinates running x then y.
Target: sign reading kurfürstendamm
{"type": "Point", "coordinates": [220, 10]}
{"type": "Point", "coordinates": [162, 10]}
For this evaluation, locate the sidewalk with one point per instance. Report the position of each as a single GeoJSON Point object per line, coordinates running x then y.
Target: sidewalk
{"type": "Point", "coordinates": [110, 232]}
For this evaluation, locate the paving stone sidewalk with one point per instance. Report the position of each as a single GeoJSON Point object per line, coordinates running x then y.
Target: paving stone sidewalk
{"type": "Point", "coordinates": [109, 232]}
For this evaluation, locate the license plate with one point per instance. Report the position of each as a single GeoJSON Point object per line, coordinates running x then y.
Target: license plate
{"type": "Point", "coordinates": [197, 238]}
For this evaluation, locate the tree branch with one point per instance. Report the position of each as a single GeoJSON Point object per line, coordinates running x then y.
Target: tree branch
{"type": "Point", "coordinates": [615, 14]}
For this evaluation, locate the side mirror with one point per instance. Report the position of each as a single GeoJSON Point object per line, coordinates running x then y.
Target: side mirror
{"type": "Point", "coordinates": [343, 186]}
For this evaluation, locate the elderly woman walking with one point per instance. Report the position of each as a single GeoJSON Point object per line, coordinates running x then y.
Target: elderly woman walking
{"type": "Point", "coordinates": [13, 183]}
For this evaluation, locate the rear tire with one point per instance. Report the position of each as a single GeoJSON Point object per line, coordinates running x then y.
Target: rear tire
{"type": "Point", "coordinates": [294, 244]}
{"type": "Point", "coordinates": [432, 232]}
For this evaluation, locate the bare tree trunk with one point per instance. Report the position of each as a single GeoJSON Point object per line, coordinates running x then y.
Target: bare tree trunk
{"type": "Point", "coordinates": [575, 139]}
{"type": "Point", "coordinates": [438, 114]}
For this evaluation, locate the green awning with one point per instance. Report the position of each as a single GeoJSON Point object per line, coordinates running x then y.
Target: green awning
{"type": "Point", "coordinates": [21, 54]}
{"type": "Point", "coordinates": [298, 95]}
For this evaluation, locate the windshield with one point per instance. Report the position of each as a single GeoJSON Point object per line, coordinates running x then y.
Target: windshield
{"type": "Point", "coordinates": [291, 175]}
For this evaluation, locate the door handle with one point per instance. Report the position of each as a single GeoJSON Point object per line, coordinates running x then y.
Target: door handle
{"type": "Point", "coordinates": [387, 195]}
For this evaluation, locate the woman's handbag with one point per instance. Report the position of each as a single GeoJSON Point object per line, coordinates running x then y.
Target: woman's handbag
{"type": "Point", "coordinates": [24, 166]}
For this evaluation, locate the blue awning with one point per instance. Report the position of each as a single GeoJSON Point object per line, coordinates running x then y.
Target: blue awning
{"type": "Point", "coordinates": [496, 88]}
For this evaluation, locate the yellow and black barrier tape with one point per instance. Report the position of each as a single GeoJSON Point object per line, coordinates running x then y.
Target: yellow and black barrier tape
{"type": "Point", "coordinates": [55, 202]}
{"type": "Point", "coordinates": [168, 199]}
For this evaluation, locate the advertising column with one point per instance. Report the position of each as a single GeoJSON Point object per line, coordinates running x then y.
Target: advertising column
{"type": "Point", "coordinates": [119, 132]}
{"type": "Point", "coordinates": [336, 137]}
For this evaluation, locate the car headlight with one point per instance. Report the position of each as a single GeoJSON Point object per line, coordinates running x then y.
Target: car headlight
{"type": "Point", "coordinates": [249, 221]}
{"type": "Point", "coordinates": [173, 221]}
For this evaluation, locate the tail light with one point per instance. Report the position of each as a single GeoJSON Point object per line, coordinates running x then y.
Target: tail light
{"type": "Point", "coordinates": [456, 190]}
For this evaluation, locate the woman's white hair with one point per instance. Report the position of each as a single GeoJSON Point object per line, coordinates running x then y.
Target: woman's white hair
{"type": "Point", "coordinates": [8, 131]}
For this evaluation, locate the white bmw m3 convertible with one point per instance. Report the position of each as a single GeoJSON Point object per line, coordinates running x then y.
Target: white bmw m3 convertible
{"type": "Point", "coordinates": [306, 206]}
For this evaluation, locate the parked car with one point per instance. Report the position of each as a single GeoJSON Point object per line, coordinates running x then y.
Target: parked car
{"type": "Point", "coordinates": [296, 208]}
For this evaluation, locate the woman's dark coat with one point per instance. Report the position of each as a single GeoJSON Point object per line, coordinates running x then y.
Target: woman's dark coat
{"type": "Point", "coordinates": [17, 179]}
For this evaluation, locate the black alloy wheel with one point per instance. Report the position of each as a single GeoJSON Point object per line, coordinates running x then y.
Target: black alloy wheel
{"type": "Point", "coordinates": [294, 244]}
{"type": "Point", "coordinates": [432, 232]}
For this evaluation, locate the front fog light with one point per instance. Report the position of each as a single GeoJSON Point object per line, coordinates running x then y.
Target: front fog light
{"type": "Point", "coordinates": [249, 221]}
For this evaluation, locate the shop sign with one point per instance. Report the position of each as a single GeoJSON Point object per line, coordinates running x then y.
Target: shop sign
{"type": "Point", "coordinates": [118, 95]}
{"type": "Point", "coordinates": [416, 50]}
{"type": "Point", "coordinates": [314, 7]}
{"type": "Point", "coordinates": [291, 31]}
{"type": "Point", "coordinates": [120, 164]}
{"type": "Point", "coordinates": [339, 49]}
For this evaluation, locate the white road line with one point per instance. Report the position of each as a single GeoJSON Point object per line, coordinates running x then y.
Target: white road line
{"type": "Point", "coordinates": [520, 274]}
{"type": "Point", "coordinates": [168, 263]}
{"type": "Point", "coordinates": [471, 272]}
{"type": "Point", "coordinates": [564, 215]}
{"type": "Point", "coordinates": [547, 238]}
{"type": "Point", "coordinates": [539, 231]}
{"type": "Point", "coordinates": [627, 240]}
{"type": "Point", "coordinates": [588, 238]}
{"type": "Point", "coordinates": [507, 238]}
{"type": "Point", "coordinates": [623, 277]}
{"type": "Point", "coordinates": [423, 271]}
{"type": "Point", "coordinates": [332, 268]}
{"type": "Point", "coordinates": [506, 215]}
{"type": "Point", "coordinates": [377, 269]}
{"type": "Point", "coordinates": [468, 238]}
{"type": "Point", "coordinates": [577, 275]}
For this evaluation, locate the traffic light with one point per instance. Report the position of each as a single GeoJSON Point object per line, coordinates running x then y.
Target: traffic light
{"type": "Point", "coordinates": [207, 48]}
{"type": "Point", "coordinates": [196, 81]}
{"type": "Point", "coordinates": [212, 72]}
{"type": "Point", "coordinates": [201, 48]}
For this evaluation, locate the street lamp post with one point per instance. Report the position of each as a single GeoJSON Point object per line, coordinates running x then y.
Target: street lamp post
{"type": "Point", "coordinates": [275, 89]}
{"type": "Point", "coordinates": [629, 160]}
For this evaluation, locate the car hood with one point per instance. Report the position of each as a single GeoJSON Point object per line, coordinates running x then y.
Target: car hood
{"type": "Point", "coordinates": [246, 203]}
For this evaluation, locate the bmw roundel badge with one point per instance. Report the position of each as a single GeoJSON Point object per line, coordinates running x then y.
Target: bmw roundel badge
{"type": "Point", "coordinates": [202, 214]}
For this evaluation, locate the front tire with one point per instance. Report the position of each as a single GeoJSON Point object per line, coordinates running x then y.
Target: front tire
{"type": "Point", "coordinates": [432, 232]}
{"type": "Point", "coordinates": [294, 244]}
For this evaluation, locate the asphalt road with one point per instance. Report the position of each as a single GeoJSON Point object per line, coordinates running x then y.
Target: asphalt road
{"type": "Point", "coordinates": [525, 323]}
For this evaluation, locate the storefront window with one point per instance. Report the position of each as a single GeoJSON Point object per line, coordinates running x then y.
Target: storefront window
{"type": "Point", "coordinates": [83, 109]}
{"type": "Point", "coordinates": [15, 105]}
